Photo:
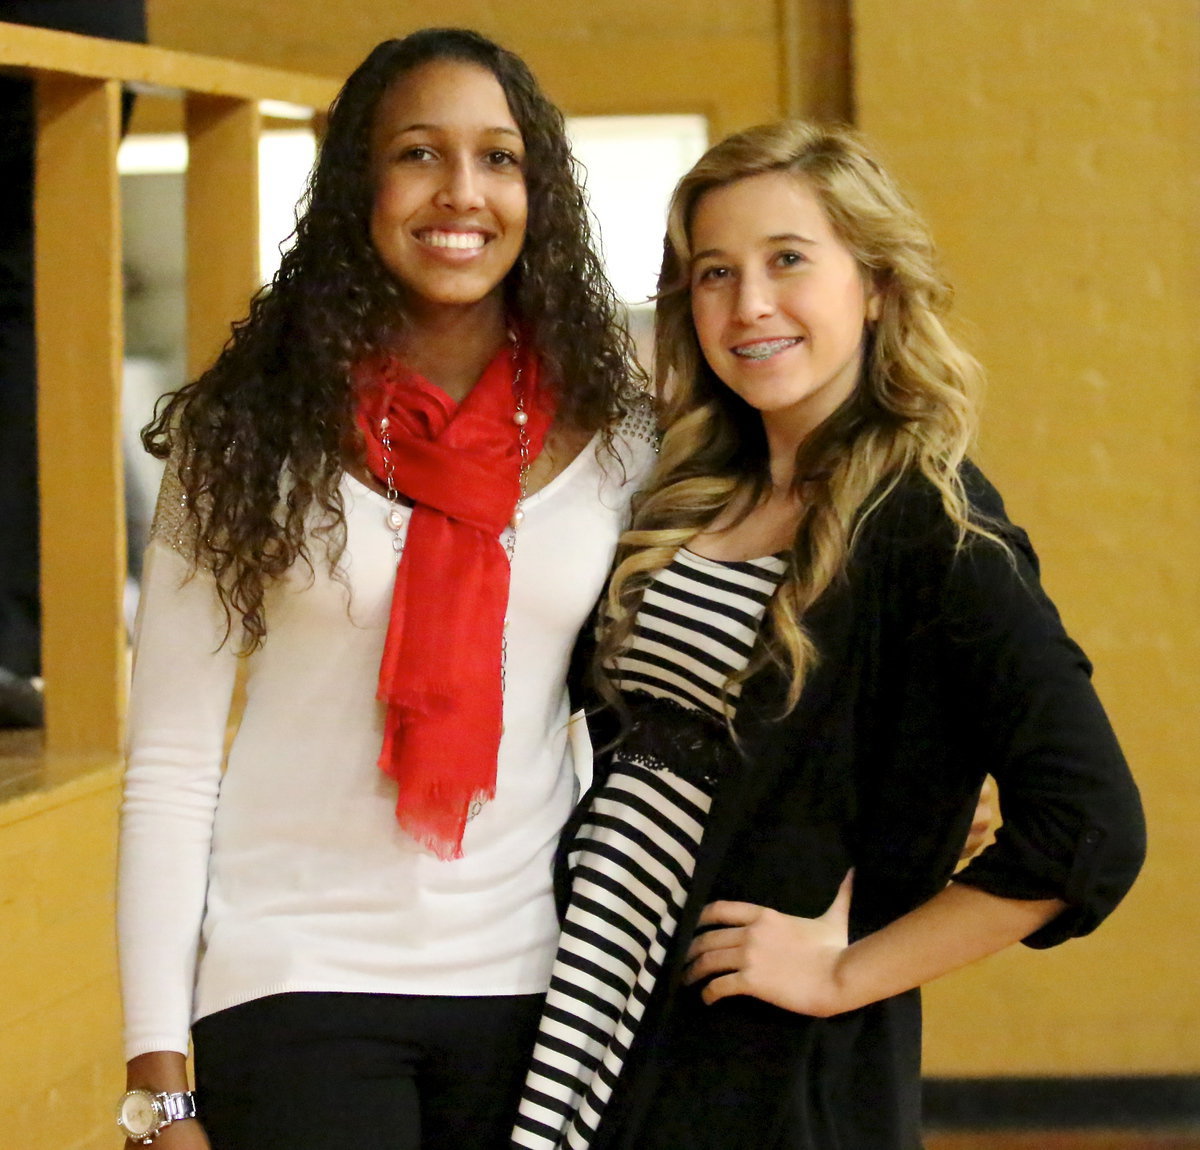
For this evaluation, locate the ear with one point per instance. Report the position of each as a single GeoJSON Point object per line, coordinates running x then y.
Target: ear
{"type": "Point", "coordinates": [874, 303]}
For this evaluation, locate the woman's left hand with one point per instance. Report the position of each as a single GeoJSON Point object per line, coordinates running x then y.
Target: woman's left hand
{"type": "Point", "coordinates": [783, 959]}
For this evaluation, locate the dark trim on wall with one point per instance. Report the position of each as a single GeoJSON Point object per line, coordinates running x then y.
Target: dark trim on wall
{"type": "Point", "coordinates": [817, 61]}
{"type": "Point", "coordinates": [1114, 1102]}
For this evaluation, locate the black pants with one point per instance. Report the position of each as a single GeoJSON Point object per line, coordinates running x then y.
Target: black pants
{"type": "Point", "coordinates": [364, 1071]}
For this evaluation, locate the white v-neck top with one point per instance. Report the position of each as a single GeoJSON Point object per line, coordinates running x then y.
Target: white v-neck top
{"type": "Point", "coordinates": [288, 872]}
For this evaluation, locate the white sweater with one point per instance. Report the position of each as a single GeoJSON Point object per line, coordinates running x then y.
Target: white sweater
{"type": "Point", "coordinates": [288, 872]}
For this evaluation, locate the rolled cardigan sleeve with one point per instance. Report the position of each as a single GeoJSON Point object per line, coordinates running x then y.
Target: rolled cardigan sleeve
{"type": "Point", "coordinates": [1073, 826]}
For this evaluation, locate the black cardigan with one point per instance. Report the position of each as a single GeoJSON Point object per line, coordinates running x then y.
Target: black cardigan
{"type": "Point", "coordinates": [937, 667]}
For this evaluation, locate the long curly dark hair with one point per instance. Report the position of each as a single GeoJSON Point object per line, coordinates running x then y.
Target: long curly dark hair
{"type": "Point", "coordinates": [258, 440]}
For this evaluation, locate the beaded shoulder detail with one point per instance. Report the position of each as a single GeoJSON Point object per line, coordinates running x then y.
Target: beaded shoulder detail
{"type": "Point", "coordinates": [639, 423]}
{"type": "Point", "coordinates": [172, 523]}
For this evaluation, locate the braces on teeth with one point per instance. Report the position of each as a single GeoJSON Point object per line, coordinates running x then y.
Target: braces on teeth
{"type": "Point", "coordinates": [764, 350]}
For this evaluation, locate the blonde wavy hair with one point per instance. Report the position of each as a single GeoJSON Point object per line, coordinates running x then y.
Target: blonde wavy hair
{"type": "Point", "coordinates": [915, 408]}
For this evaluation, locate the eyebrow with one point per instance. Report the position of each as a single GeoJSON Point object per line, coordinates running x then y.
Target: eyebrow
{"type": "Point", "coordinates": [782, 237]}
{"type": "Point", "coordinates": [499, 129]}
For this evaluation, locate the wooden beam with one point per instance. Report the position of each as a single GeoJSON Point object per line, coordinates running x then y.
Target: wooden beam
{"type": "Point", "coordinates": [80, 342]}
{"type": "Point", "coordinates": [43, 50]}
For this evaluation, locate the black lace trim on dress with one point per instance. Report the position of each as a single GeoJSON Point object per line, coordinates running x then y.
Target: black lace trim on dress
{"type": "Point", "coordinates": [666, 735]}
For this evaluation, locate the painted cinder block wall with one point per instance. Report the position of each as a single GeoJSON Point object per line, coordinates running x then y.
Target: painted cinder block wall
{"type": "Point", "coordinates": [1056, 149]}
{"type": "Point", "coordinates": [60, 1049]}
{"type": "Point", "coordinates": [719, 57]}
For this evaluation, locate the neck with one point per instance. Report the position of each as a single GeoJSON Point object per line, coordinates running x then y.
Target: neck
{"type": "Point", "coordinates": [782, 445]}
{"type": "Point", "coordinates": [450, 347]}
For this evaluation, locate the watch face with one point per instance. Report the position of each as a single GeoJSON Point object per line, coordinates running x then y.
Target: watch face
{"type": "Point", "coordinates": [138, 1114]}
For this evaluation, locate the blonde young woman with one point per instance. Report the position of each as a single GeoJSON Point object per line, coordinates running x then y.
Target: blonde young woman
{"type": "Point", "coordinates": [821, 635]}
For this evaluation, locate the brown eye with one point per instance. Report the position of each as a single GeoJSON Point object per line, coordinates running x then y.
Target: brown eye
{"type": "Point", "coordinates": [418, 153]}
{"type": "Point", "coordinates": [500, 158]}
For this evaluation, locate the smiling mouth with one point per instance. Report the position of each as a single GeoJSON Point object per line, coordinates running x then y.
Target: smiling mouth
{"type": "Point", "coordinates": [458, 241]}
{"type": "Point", "coordinates": [765, 348]}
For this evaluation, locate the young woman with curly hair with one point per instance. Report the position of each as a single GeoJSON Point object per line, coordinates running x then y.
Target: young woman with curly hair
{"type": "Point", "coordinates": [394, 498]}
{"type": "Point", "coordinates": [821, 635]}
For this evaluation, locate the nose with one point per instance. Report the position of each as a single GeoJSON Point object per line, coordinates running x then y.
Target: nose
{"type": "Point", "coordinates": [755, 300]}
{"type": "Point", "coordinates": [462, 188]}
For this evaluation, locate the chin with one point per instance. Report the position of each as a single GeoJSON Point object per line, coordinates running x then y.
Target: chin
{"type": "Point", "coordinates": [462, 295]}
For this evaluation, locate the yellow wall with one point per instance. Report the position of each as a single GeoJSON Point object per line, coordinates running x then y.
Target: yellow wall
{"type": "Point", "coordinates": [593, 56]}
{"type": "Point", "coordinates": [60, 1049]}
{"type": "Point", "coordinates": [1056, 149]}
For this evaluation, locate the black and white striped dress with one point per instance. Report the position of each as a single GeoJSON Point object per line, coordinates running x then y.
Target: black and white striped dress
{"type": "Point", "coordinates": [632, 858]}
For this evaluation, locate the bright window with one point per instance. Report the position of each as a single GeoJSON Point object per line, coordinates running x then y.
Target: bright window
{"type": "Point", "coordinates": [632, 165]}
{"type": "Point", "coordinates": [284, 160]}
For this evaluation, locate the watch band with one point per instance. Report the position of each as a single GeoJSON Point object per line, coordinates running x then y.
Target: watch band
{"type": "Point", "coordinates": [178, 1106]}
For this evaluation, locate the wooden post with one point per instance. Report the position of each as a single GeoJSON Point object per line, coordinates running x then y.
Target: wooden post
{"type": "Point", "coordinates": [80, 346]}
{"type": "Point", "coordinates": [222, 221]}
{"type": "Point", "coordinates": [817, 59]}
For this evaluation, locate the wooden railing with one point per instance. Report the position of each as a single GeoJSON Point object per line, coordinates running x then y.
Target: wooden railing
{"type": "Point", "coordinates": [80, 337]}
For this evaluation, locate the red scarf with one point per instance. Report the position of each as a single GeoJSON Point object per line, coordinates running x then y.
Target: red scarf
{"type": "Point", "coordinates": [441, 669]}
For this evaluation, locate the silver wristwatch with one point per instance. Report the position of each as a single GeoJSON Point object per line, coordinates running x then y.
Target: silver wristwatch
{"type": "Point", "coordinates": [142, 1114]}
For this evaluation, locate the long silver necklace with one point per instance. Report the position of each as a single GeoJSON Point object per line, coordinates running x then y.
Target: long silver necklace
{"type": "Point", "coordinates": [396, 517]}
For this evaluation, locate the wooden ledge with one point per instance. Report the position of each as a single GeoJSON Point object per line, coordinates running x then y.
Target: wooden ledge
{"type": "Point", "coordinates": [159, 70]}
{"type": "Point", "coordinates": [32, 781]}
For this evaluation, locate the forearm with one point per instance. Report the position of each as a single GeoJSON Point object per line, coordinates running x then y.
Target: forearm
{"type": "Point", "coordinates": [159, 1070]}
{"type": "Point", "coordinates": [956, 927]}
